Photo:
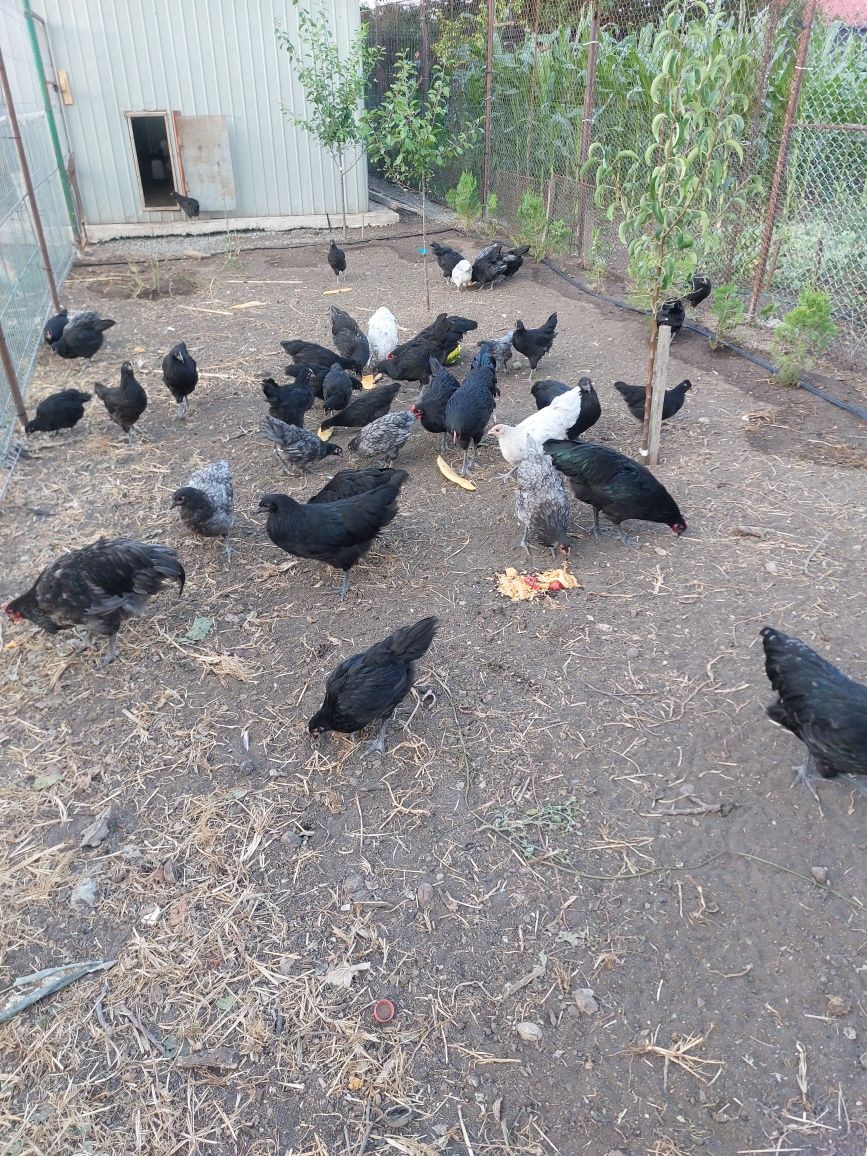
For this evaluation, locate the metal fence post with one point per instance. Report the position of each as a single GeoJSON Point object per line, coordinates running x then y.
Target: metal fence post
{"type": "Point", "coordinates": [12, 378]}
{"type": "Point", "coordinates": [52, 123]}
{"type": "Point", "coordinates": [489, 104]}
{"type": "Point", "coordinates": [783, 153]}
{"type": "Point", "coordinates": [587, 129]}
{"type": "Point", "coordinates": [28, 183]}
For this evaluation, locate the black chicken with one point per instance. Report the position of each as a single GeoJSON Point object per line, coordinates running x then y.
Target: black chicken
{"type": "Point", "coordinates": [289, 403]}
{"type": "Point", "coordinates": [821, 706]}
{"type": "Point", "coordinates": [430, 408]}
{"type": "Point", "coordinates": [309, 353]}
{"type": "Point", "coordinates": [126, 402]}
{"type": "Point", "coordinates": [58, 411]}
{"type": "Point", "coordinates": [189, 206]}
{"type": "Point", "coordinates": [54, 326]}
{"type": "Point", "coordinates": [487, 265]}
{"type": "Point", "coordinates": [701, 287]}
{"type": "Point", "coordinates": [368, 687]}
{"type": "Point", "coordinates": [98, 586]}
{"type": "Point", "coordinates": [313, 376]}
{"type": "Point", "coordinates": [81, 336]}
{"type": "Point", "coordinates": [411, 361]}
{"type": "Point", "coordinates": [366, 407]}
{"type": "Point", "coordinates": [446, 257]}
{"type": "Point", "coordinates": [470, 407]}
{"type": "Point", "coordinates": [349, 340]}
{"type": "Point", "coordinates": [337, 533]}
{"type": "Point", "coordinates": [337, 260]}
{"type": "Point", "coordinates": [634, 396]}
{"type": "Point", "coordinates": [513, 259]}
{"type": "Point", "coordinates": [673, 314]}
{"type": "Point", "coordinates": [614, 484]}
{"type": "Point", "coordinates": [180, 375]}
{"type": "Point", "coordinates": [534, 343]}
{"type": "Point", "coordinates": [545, 391]}
{"type": "Point", "coordinates": [336, 389]}
{"type": "Point", "coordinates": [351, 483]}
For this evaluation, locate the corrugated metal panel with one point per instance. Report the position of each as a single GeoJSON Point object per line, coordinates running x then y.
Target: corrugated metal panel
{"type": "Point", "coordinates": [198, 58]}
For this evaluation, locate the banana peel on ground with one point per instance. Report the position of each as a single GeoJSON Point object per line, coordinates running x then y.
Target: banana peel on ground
{"type": "Point", "coordinates": [324, 434]}
{"type": "Point", "coordinates": [528, 587]}
{"type": "Point", "coordinates": [452, 475]}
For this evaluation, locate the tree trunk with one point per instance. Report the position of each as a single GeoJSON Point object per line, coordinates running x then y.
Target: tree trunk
{"type": "Point", "coordinates": [648, 385]}
{"type": "Point", "coordinates": [660, 376]}
{"type": "Point", "coordinates": [424, 242]}
{"type": "Point", "coordinates": [342, 168]}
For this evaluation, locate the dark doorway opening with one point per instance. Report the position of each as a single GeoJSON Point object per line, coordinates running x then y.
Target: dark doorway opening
{"type": "Point", "coordinates": [150, 136]}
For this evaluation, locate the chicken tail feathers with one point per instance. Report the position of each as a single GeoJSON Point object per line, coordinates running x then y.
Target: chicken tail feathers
{"type": "Point", "coordinates": [412, 642]}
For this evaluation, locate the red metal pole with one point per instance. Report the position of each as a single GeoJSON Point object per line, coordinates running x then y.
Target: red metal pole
{"type": "Point", "coordinates": [783, 154]}
{"type": "Point", "coordinates": [12, 378]}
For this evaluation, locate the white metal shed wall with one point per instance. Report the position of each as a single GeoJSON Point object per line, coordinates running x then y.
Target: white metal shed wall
{"type": "Point", "coordinates": [201, 58]}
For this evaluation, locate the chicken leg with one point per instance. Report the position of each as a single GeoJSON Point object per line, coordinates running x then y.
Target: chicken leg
{"type": "Point", "coordinates": [806, 775]}
{"type": "Point", "coordinates": [111, 653]}
{"type": "Point", "coordinates": [378, 743]}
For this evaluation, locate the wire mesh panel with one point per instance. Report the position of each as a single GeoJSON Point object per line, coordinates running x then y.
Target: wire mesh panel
{"type": "Point", "coordinates": [567, 74]}
{"type": "Point", "coordinates": [25, 297]}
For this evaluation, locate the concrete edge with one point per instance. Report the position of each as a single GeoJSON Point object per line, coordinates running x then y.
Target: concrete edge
{"type": "Point", "coordinates": [372, 219]}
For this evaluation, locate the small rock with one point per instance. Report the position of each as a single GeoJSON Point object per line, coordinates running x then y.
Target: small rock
{"type": "Point", "coordinates": [529, 1032]}
{"type": "Point", "coordinates": [604, 628]}
{"type": "Point", "coordinates": [771, 567]}
{"type": "Point", "coordinates": [704, 421]}
{"type": "Point", "coordinates": [292, 839]}
{"type": "Point", "coordinates": [93, 835]}
{"type": "Point", "coordinates": [83, 895]}
{"type": "Point", "coordinates": [585, 1002]}
{"type": "Point", "coordinates": [633, 652]}
{"type": "Point", "coordinates": [862, 1059]}
{"type": "Point", "coordinates": [820, 874]}
{"type": "Point", "coordinates": [353, 883]}
{"type": "Point", "coordinates": [837, 1006]}
{"type": "Point", "coordinates": [133, 855]}
{"type": "Point", "coordinates": [424, 894]}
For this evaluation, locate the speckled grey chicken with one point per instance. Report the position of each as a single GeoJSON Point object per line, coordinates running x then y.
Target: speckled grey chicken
{"type": "Point", "coordinates": [206, 503]}
{"type": "Point", "coordinates": [500, 349]}
{"type": "Point", "coordinates": [385, 437]}
{"type": "Point", "coordinates": [541, 503]}
{"type": "Point", "coordinates": [297, 447]}
{"type": "Point", "coordinates": [98, 586]}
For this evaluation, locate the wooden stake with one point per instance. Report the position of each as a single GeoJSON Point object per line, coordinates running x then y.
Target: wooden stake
{"type": "Point", "coordinates": [657, 394]}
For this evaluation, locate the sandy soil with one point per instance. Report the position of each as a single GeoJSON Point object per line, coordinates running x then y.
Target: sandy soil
{"type": "Point", "coordinates": [514, 849]}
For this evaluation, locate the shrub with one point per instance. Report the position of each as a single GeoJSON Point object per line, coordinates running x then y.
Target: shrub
{"type": "Point", "coordinates": [544, 236]}
{"type": "Point", "coordinates": [727, 310]}
{"type": "Point", "coordinates": [804, 334]}
{"type": "Point", "coordinates": [464, 199]}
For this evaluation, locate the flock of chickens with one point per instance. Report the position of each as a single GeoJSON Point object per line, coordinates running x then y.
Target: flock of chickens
{"type": "Point", "coordinates": [101, 585]}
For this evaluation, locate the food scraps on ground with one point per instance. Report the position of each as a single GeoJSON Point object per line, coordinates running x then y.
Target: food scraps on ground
{"type": "Point", "coordinates": [527, 587]}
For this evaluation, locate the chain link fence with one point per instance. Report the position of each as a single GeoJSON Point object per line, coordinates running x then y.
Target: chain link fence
{"type": "Point", "coordinates": [25, 283]}
{"type": "Point", "coordinates": [563, 74]}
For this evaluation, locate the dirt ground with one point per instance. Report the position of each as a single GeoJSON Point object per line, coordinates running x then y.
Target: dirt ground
{"type": "Point", "coordinates": [693, 982]}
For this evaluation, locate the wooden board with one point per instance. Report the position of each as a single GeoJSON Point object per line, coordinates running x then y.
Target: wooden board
{"type": "Point", "coordinates": [205, 161]}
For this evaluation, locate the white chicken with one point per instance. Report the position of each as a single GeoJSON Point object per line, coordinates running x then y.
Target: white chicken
{"type": "Point", "coordinates": [549, 424]}
{"type": "Point", "coordinates": [381, 335]}
{"type": "Point", "coordinates": [462, 274]}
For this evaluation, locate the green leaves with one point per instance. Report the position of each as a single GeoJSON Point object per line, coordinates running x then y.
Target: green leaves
{"type": "Point", "coordinates": [408, 137]}
{"type": "Point", "coordinates": [671, 197]}
{"type": "Point", "coordinates": [333, 81]}
{"type": "Point", "coordinates": [804, 334]}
